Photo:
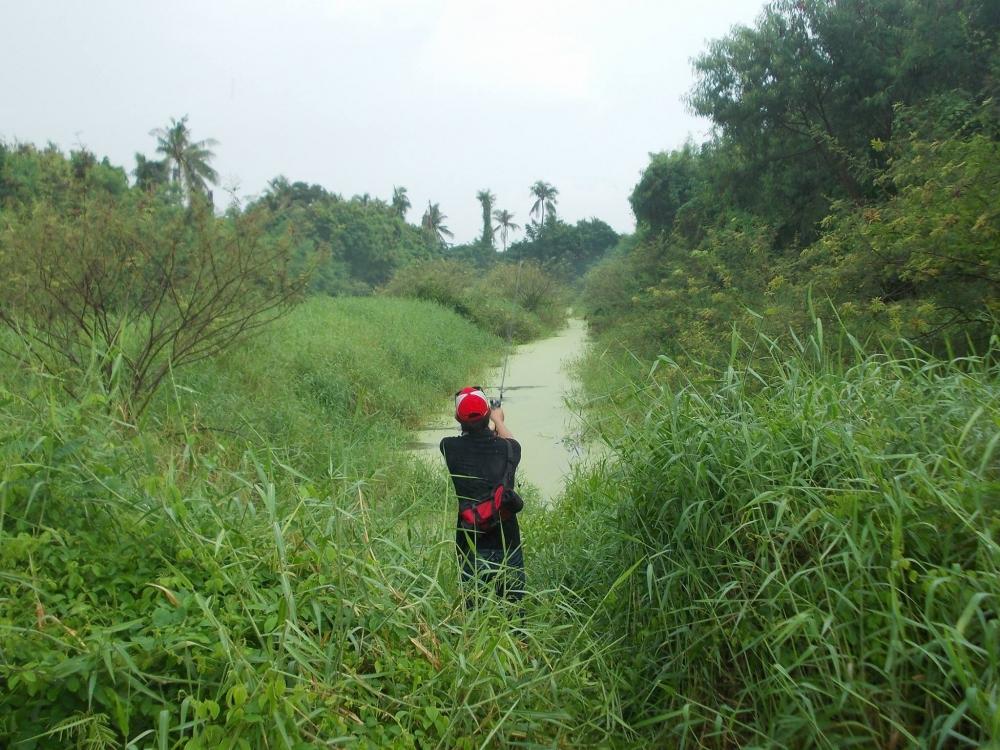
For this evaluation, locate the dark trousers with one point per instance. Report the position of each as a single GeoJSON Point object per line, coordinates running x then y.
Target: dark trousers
{"type": "Point", "coordinates": [497, 570]}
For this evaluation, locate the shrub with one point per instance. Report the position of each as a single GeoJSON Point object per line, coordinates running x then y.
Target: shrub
{"type": "Point", "coordinates": [530, 287]}
{"type": "Point", "coordinates": [139, 287]}
{"type": "Point", "coordinates": [521, 301]}
{"type": "Point", "coordinates": [446, 282]}
{"type": "Point", "coordinates": [506, 319]}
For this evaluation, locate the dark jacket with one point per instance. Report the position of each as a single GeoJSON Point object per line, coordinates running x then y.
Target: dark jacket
{"type": "Point", "coordinates": [477, 462]}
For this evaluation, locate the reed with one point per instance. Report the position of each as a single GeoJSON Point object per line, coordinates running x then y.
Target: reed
{"type": "Point", "coordinates": [796, 550]}
{"type": "Point", "coordinates": [814, 531]}
{"type": "Point", "coordinates": [261, 564]}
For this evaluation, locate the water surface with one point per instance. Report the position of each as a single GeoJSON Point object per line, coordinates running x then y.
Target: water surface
{"type": "Point", "coordinates": [537, 383]}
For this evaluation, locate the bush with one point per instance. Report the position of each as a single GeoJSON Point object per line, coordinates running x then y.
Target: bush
{"type": "Point", "coordinates": [446, 282]}
{"type": "Point", "coordinates": [530, 287]}
{"type": "Point", "coordinates": [506, 319]}
{"type": "Point", "coordinates": [521, 301]}
{"type": "Point", "coordinates": [917, 261]}
{"type": "Point", "coordinates": [924, 263]}
{"type": "Point", "coordinates": [138, 286]}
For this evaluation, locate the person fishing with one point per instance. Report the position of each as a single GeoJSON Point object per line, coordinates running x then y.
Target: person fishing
{"type": "Point", "coordinates": [482, 463]}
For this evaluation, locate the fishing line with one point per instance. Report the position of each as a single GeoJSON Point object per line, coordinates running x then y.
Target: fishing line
{"type": "Point", "coordinates": [510, 331]}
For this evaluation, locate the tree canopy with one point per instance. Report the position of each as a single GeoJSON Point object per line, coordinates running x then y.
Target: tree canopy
{"type": "Point", "coordinates": [505, 225]}
{"type": "Point", "coordinates": [486, 199]}
{"type": "Point", "coordinates": [433, 223]}
{"type": "Point", "coordinates": [187, 160]}
{"type": "Point", "coordinates": [400, 202]}
{"type": "Point", "coordinates": [799, 99]}
{"type": "Point", "coordinates": [851, 158]}
{"type": "Point", "coordinates": [569, 249]}
{"type": "Point", "coordinates": [545, 201]}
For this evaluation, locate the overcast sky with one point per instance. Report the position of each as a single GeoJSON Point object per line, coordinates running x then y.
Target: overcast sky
{"type": "Point", "coordinates": [444, 97]}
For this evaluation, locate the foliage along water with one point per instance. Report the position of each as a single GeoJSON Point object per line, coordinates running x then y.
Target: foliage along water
{"type": "Point", "coordinates": [769, 542]}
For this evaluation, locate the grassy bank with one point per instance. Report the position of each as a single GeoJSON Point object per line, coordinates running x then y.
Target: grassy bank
{"type": "Point", "coordinates": [796, 555]}
{"type": "Point", "coordinates": [813, 547]}
{"type": "Point", "coordinates": [261, 565]}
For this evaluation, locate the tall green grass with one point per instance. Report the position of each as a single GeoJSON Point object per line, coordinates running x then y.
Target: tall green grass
{"type": "Point", "coordinates": [262, 565]}
{"type": "Point", "coordinates": [798, 550]}
{"type": "Point", "coordinates": [340, 379]}
{"type": "Point", "coordinates": [814, 545]}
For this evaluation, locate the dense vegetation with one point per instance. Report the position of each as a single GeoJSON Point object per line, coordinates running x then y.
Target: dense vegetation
{"type": "Point", "coordinates": [516, 301]}
{"type": "Point", "coordinates": [209, 539]}
{"type": "Point", "coordinates": [359, 242]}
{"type": "Point", "coordinates": [797, 364]}
{"type": "Point", "coordinates": [855, 155]}
{"type": "Point", "coordinates": [815, 548]}
{"type": "Point", "coordinates": [260, 554]}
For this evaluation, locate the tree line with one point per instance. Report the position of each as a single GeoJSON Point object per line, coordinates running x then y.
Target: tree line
{"type": "Point", "coordinates": [126, 279]}
{"type": "Point", "coordinates": [185, 166]}
{"type": "Point", "coordinates": [854, 161]}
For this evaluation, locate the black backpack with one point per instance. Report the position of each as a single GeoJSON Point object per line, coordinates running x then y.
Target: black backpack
{"type": "Point", "coordinates": [484, 514]}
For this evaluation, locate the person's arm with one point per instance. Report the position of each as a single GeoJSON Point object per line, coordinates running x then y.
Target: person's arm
{"type": "Point", "coordinates": [498, 424]}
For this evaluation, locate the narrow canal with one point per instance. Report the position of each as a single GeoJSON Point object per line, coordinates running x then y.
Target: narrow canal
{"type": "Point", "coordinates": [538, 381]}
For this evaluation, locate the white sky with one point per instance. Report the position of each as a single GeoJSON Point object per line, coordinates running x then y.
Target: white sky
{"type": "Point", "coordinates": [445, 97]}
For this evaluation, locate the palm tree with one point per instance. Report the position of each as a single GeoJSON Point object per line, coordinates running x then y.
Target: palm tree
{"type": "Point", "coordinates": [545, 200]}
{"type": "Point", "coordinates": [433, 223]}
{"type": "Point", "coordinates": [400, 201]}
{"type": "Point", "coordinates": [486, 198]}
{"type": "Point", "coordinates": [505, 223]}
{"type": "Point", "coordinates": [186, 159]}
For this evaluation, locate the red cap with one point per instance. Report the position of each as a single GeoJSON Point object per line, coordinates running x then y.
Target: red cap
{"type": "Point", "coordinates": [471, 405]}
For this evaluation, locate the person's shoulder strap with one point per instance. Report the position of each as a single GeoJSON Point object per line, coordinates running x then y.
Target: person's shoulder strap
{"type": "Point", "coordinates": [509, 469]}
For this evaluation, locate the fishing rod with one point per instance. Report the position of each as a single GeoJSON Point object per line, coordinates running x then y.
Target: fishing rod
{"type": "Point", "coordinates": [510, 337]}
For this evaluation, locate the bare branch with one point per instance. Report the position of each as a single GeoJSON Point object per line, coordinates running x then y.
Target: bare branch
{"type": "Point", "coordinates": [156, 286]}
